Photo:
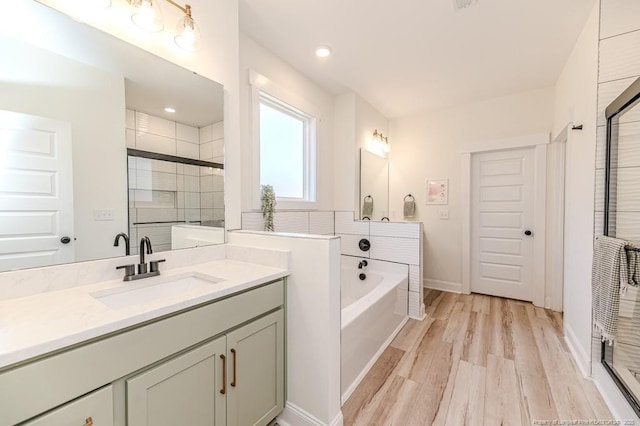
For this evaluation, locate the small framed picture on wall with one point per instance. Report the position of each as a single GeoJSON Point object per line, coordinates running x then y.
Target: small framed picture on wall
{"type": "Point", "coordinates": [438, 191]}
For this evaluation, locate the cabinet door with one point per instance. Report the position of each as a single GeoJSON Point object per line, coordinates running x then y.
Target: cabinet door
{"type": "Point", "coordinates": [186, 390]}
{"type": "Point", "coordinates": [256, 371]}
{"type": "Point", "coordinates": [94, 409]}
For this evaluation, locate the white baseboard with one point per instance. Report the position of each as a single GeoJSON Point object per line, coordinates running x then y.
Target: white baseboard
{"type": "Point", "coordinates": [443, 285]}
{"type": "Point", "coordinates": [581, 357]}
{"type": "Point", "coordinates": [292, 415]}
{"type": "Point", "coordinates": [373, 360]}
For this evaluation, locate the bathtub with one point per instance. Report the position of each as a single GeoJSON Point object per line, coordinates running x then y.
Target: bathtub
{"type": "Point", "coordinates": [373, 312]}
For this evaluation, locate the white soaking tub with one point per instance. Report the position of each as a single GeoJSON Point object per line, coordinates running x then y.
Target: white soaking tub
{"type": "Point", "coordinates": [373, 312]}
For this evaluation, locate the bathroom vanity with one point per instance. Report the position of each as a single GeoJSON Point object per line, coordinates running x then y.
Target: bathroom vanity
{"type": "Point", "coordinates": [114, 353]}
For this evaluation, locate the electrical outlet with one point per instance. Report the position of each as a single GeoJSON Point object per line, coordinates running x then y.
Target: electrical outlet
{"type": "Point", "coordinates": [103, 215]}
{"type": "Point", "coordinates": [444, 214]}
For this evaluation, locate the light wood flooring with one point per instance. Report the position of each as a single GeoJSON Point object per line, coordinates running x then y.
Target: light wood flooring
{"type": "Point", "coordinates": [475, 360]}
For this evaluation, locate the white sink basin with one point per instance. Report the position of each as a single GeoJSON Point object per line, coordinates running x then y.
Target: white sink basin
{"type": "Point", "coordinates": [149, 289]}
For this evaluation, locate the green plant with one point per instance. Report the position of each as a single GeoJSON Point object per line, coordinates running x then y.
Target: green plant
{"type": "Point", "coordinates": [268, 199]}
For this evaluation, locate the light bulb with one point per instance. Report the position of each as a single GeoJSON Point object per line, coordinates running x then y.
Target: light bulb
{"type": "Point", "coordinates": [187, 33]}
{"type": "Point", "coordinates": [147, 15]}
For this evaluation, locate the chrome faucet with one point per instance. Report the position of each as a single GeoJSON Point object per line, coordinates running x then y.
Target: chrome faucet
{"type": "Point", "coordinates": [143, 271]}
{"type": "Point", "coordinates": [127, 248]}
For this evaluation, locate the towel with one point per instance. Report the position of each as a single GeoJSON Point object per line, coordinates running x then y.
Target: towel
{"type": "Point", "coordinates": [367, 206]}
{"type": "Point", "coordinates": [633, 266]}
{"type": "Point", "coordinates": [609, 274]}
{"type": "Point", "coordinates": [409, 208]}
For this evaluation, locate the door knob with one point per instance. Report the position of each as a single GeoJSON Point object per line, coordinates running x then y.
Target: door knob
{"type": "Point", "coordinates": [528, 233]}
{"type": "Point", "coordinates": [65, 240]}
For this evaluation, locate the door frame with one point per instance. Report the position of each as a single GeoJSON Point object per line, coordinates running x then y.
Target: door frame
{"type": "Point", "coordinates": [539, 142]}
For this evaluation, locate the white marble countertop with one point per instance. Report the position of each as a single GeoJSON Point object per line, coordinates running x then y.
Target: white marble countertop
{"type": "Point", "coordinates": [35, 325]}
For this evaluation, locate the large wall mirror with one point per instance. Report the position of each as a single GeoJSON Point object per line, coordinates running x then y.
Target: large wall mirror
{"type": "Point", "coordinates": [374, 186]}
{"type": "Point", "coordinates": [99, 137]}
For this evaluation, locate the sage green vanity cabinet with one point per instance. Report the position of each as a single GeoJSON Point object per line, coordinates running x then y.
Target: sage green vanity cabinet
{"type": "Point", "coordinates": [221, 363]}
{"type": "Point", "coordinates": [94, 409]}
{"type": "Point", "coordinates": [181, 391]}
{"type": "Point", "coordinates": [255, 356]}
{"type": "Point", "coordinates": [235, 380]}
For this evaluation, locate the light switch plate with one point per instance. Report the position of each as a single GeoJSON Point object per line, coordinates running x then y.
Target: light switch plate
{"type": "Point", "coordinates": [444, 214]}
{"type": "Point", "coordinates": [103, 215]}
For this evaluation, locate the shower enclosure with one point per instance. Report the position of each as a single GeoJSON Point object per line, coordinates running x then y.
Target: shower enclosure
{"type": "Point", "coordinates": [622, 220]}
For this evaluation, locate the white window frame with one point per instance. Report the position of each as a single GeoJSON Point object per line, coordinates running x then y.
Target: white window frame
{"type": "Point", "coordinates": [277, 97]}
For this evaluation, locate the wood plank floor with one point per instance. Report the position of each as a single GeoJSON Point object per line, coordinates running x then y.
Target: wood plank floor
{"type": "Point", "coordinates": [475, 360]}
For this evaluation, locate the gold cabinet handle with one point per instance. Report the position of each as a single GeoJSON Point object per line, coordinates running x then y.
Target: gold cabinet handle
{"type": "Point", "coordinates": [235, 363]}
{"type": "Point", "coordinates": [88, 421]}
{"type": "Point", "coordinates": [224, 374]}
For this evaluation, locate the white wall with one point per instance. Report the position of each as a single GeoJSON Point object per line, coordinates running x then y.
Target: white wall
{"type": "Point", "coordinates": [255, 57]}
{"type": "Point", "coordinates": [428, 146]}
{"type": "Point", "coordinates": [313, 325]}
{"type": "Point", "coordinates": [345, 158]}
{"type": "Point", "coordinates": [93, 102]}
{"type": "Point", "coordinates": [575, 102]}
{"type": "Point", "coordinates": [217, 60]}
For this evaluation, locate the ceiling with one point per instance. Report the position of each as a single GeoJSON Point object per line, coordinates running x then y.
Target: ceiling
{"type": "Point", "coordinates": [409, 56]}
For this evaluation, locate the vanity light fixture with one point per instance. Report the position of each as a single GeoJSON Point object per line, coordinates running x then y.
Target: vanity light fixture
{"type": "Point", "coordinates": [323, 51]}
{"type": "Point", "coordinates": [147, 15]}
{"type": "Point", "coordinates": [381, 141]}
{"type": "Point", "coordinates": [187, 32]}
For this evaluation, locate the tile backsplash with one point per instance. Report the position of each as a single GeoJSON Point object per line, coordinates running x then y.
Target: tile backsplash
{"type": "Point", "coordinates": [399, 242]}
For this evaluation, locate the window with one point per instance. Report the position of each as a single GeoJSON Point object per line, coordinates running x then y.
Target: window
{"type": "Point", "coordinates": [287, 150]}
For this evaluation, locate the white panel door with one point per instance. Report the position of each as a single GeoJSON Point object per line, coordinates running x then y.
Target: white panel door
{"type": "Point", "coordinates": [502, 216]}
{"type": "Point", "coordinates": [36, 191]}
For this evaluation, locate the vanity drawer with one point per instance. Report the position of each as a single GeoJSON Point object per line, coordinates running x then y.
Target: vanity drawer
{"type": "Point", "coordinates": [94, 409]}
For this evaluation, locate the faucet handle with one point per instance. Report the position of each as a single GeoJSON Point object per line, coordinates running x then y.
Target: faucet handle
{"type": "Point", "coordinates": [129, 271]}
{"type": "Point", "coordinates": [153, 265]}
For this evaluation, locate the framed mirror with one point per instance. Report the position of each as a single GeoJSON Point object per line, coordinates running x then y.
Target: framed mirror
{"type": "Point", "coordinates": [73, 100]}
{"type": "Point", "coordinates": [374, 186]}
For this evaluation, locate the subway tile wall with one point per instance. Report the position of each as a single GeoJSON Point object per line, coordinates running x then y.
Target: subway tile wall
{"type": "Point", "coordinates": [163, 193]}
{"type": "Point", "coordinates": [390, 241]}
{"type": "Point", "coordinates": [619, 66]}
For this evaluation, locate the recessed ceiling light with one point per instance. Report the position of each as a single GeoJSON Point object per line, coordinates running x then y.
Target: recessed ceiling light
{"type": "Point", "coordinates": [169, 109]}
{"type": "Point", "coordinates": [323, 51]}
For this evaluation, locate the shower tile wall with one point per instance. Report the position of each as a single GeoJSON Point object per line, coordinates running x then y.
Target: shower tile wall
{"type": "Point", "coordinates": [212, 181]}
{"type": "Point", "coordinates": [619, 66]}
{"type": "Point", "coordinates": [390, 241]}
{"type": "Point", "coordinates": [162, 191]}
